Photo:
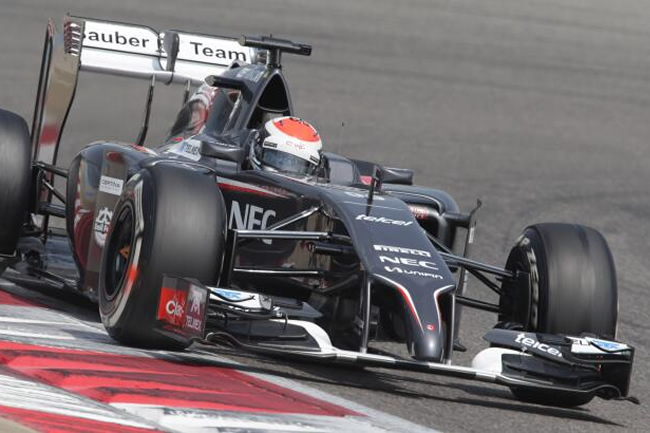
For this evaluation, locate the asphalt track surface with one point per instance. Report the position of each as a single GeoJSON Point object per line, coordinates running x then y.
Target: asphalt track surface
{"type": "Point", "coordinates": [540, 108]}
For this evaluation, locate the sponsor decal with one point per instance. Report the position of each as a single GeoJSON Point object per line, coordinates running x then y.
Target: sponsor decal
{"type": "Point", "coordinates": [402, 250]}
{"type": "Point", "coordinates": [189, 149]}
{"type": "Point", "coordinates": [116, 38]}
{"type": "Point", "coordinates": [243, 299]}
{"type": "Point", "coordinates": [171, 308]}
{"type": "Point", "coordinates": [383, 220]}
{"type": "Point", "coordinates": [231, 294]}
{"type": "Point", "coordinates": [419, 212]}
{"type": "Point", "coordinates": [534, 344]}
{"type": "Point", "coordinates": [607, 346]}
{"type": "Point", "coordinates": [182, 308]}
{"type": "Point", "coordinates": [296, 144]}
{"type": "Point", "coordinates": [398, 270]}
{"type": "Point", "coordinates": [101, 225]}
{"type": "Point", "coordinates": [250, 217]}
{"type": "Point", "coordinates": [210, 50]}
{"type": "Point", "coordinates": [196, 313]}
{"type": "Point", "coordinates": [396, 264]}
{"type": "Point", "coordinates": [596, 346]}
{"type": "Point", "coordinates": [111, 185]}
{"type": "Point", "coordinates": [144, 40]}
{"type": "Point", "coordinates": [396, 260]}
{"type": "Point", "coordinates": [125, 38]}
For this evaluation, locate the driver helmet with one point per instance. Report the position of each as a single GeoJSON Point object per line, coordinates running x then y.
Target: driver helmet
{"type": "Point", "coordinates": [287, 144]}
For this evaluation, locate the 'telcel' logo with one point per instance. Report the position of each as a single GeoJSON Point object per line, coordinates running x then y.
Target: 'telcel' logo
{"type": "Point", "coordinates": [534, 344]}
{"type": "Point", "coordinates": [383, 220]}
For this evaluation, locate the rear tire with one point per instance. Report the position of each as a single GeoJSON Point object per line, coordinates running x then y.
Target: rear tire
{"type": "Point", "coordinates": [169, 220]}
{"type": "Point", "coordinates": [15, 178]}
{"type": "Point", "coordinates": [572, 291]}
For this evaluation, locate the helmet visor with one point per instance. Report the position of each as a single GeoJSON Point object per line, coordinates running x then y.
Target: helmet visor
{"type": "Point", "coordinates": [283, 161]}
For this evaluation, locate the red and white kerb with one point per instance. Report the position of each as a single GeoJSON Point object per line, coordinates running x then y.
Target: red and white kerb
{"type": "Point", "coordinates": [294, 136]}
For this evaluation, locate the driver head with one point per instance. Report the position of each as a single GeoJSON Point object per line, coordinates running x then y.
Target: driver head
{"type": "Point", "coordinates": [288, 144]}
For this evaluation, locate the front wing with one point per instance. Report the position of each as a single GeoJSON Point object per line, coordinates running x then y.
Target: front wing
{"type": "Point", "coordinates": [544, 362]}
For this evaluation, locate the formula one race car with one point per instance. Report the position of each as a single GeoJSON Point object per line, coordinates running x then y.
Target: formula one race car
{"type": "Point", "coordinates": [186, 241]}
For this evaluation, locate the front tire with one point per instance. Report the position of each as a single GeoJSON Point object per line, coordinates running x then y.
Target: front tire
{"type": "Point", "coordinates": [573, 291]}
{"type": "Point", "coordinates": [169, 220]}
{"type": "Point", "coordinates": [15, 178]}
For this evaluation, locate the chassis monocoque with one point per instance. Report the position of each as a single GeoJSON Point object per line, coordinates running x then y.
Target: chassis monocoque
{"type": "Point", "coordinates": [182, 242]}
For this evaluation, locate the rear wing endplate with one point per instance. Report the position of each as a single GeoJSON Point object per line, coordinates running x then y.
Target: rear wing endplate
{"type": "Point", "coordinates": [117, 49]}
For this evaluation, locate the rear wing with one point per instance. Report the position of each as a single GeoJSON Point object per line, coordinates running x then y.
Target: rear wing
{"type": "Point", "coordinates": [118, 49]}
{"type": "Point", "coordinates": [138, 51]}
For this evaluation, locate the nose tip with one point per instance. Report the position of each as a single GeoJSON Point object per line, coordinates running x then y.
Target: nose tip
{"type": "Point", "coordinates": [428, 347]}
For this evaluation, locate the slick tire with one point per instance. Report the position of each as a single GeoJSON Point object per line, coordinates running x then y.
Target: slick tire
{"type": "Point", "coordinates": [15, 178]}
{"type": "Point", "coordinates": [169, 220]}
{"type": "Point", "coordinates": [572, 291]}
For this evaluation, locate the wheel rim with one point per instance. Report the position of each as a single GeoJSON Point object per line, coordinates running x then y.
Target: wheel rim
{"type": "Point", "coordinates": [119, 257]}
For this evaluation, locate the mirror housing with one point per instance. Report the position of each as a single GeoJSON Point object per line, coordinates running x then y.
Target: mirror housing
{"type": "Point", "coordinates": [400, 176]}
{"type": "Point", "coordinates": [226, 147]}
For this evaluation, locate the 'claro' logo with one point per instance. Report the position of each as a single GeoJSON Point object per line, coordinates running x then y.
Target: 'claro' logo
{"type": "Point", "coordinates": [174, 308]}
{"type": "Point", "coordinates": [171, 308]}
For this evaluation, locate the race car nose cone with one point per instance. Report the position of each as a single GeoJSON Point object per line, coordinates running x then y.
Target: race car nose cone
{"type": "Point", "coordinates": [428, 347]}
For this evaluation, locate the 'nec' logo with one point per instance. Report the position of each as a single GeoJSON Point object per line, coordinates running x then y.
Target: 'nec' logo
{"type": "Point", "coordinates": [251, 218]}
